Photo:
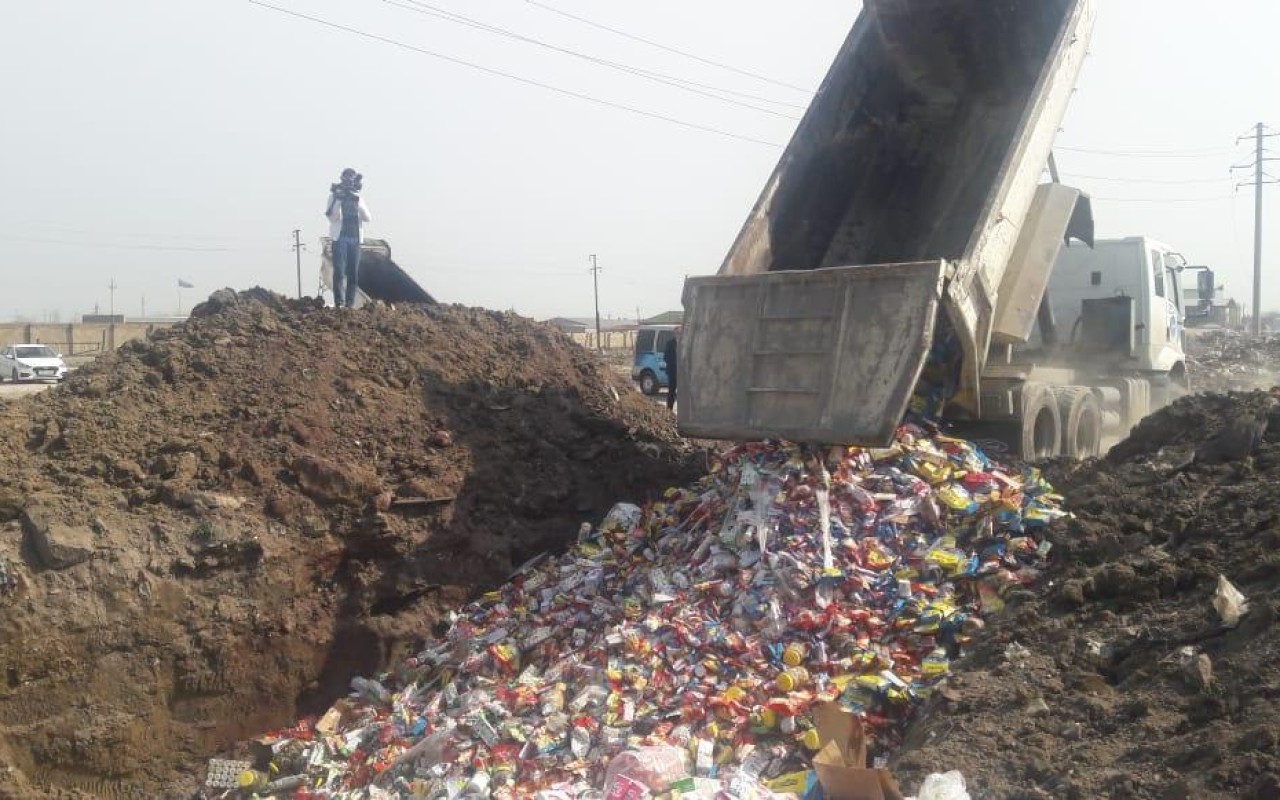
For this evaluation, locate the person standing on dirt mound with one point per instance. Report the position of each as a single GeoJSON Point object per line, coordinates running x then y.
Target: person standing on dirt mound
{"type": "Point", "coordinates": [347, 213]}
{"type": "Point", "coordinates": [671, 355]}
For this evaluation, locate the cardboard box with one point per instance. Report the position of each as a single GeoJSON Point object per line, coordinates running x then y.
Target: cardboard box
{"type": "Point", "coordinates": [841, 761]}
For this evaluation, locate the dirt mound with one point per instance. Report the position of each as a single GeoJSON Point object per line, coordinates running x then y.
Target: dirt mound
{"type": "Point", "coordinates": [210, 533]}
{"type": "Point", "coordinates": [1118, 679]}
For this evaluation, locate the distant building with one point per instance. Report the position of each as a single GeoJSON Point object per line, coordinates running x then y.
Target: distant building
{"type": "Point", "coordinates": [584, 324]}
{"type": "Point", "coordinates": [666, 318]}
{"type": "Point", "coordinates": [568, 325]}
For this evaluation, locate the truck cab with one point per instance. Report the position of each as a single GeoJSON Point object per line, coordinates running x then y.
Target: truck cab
{"type": "Point", "coordinates": [1136, 267]}
{"type": "Point", "coordinates": [649, 367]}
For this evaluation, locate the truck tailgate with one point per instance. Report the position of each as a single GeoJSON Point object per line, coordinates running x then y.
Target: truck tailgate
{"type": "Point", "coordinates": [828, 356]}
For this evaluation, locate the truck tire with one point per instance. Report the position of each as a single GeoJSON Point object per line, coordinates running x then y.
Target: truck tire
{"type": "Point", "coordinates": [1161, 392]}
{"type": "Point", "coordinates": [1041, 423]}
{"type": "Point", "coordinates": [1082, 421]}
{"type": "Point", "coordinates": [1135, 401]}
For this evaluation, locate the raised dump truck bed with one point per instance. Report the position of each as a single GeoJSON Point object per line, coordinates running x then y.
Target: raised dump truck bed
{"type": "Point", "coordinates": [906, 186]}
{"type": "Point", "coordinates": [379, 278]}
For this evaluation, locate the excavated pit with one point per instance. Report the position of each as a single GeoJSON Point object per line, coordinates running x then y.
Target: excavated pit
{"type": "Point", "coordinates": [208, 534]}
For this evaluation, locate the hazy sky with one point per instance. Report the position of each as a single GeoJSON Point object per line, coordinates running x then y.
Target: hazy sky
{"type": "Point", "coordinates": [152, 140]}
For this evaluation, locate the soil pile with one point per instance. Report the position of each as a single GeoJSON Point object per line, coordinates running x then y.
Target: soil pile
{"type": "Point", "coordinates": [1224, 360]}
{"type": "Point", "coordinates": [1117, 678]}
{"type": "Point", "coordinates": [210, 533]}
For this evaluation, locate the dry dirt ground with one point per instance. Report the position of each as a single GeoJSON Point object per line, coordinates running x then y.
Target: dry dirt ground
{"type": "Point", "coordinates": [206, 535]}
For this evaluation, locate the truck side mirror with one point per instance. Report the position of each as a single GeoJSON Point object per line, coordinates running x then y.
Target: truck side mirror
{"type": "Point", "coordinates": [1205, 286]}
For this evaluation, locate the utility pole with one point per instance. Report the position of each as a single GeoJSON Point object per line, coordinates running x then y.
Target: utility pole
{"type": "Point", "coordinates": [595, 279]}
{"type": "Point", "coordinates": [1260, 179]}
{"type": "Point", "coordinates": [111, 324]}
{"type": "Point", "coordinates": [298, 247]}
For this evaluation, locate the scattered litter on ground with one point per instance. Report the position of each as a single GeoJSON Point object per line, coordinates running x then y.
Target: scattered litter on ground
{"type": "Point", "coordinates": [1221, 360]}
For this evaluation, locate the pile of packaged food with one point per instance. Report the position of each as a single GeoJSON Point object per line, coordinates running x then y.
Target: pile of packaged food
{"type": "Point", "coordinates": [681, 649]}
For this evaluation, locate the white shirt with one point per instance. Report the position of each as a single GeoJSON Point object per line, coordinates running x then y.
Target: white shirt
{"type": "Point", "coordinates": [335, 217]}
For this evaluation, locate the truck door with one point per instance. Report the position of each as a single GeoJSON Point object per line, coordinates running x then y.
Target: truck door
{"type": "Point", "coordinates": [1164, 325]}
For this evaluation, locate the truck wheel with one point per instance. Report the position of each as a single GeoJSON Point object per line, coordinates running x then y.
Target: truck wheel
{"type": "Point", "coordinates": [1135, 403]}
{"type": "Point", "coordinates": [1041, 423]}
{"type": "Point", "coordinates": [1081, 416]}
{"type": "Point", "coordinates": [648, 383]}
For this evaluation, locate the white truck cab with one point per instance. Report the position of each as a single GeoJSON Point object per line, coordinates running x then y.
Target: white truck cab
{"type": "Point", "coordinates": [1137, 267]}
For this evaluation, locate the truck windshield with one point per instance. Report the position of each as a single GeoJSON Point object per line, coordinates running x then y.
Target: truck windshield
{"type": "Point", "coordinates": [644, 342]}
{"type": "Point", "coordinates": [35, 352]}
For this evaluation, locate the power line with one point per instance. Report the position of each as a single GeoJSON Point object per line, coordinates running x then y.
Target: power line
{"type": "Point", "coordinates": [1144, 180]}
{"type": "Point", "coordinates": [117, 245]}
{"type": "Point", "coordinates": [427, 9]}
{"type": "Point", "coordinates": [1164, 199]}
{"type": "Point", "coordinates": [668, 48]}
{"type": "Point", "coordinates": [1148, 153]}
{"type": "Point", "coordinates": [518, 78]}
{"type": "Point", "coordinates": [193, 237]}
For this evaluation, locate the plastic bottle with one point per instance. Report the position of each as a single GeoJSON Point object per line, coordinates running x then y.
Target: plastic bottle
{"type": "Point", "coordinates": [251, 780]}
{"type": "Point", "coordinates": [285, 784]}
{"type": "Point", "coordinates": [792, 679]}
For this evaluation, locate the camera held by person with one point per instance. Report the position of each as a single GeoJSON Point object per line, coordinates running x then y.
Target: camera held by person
{"type": "Point", "coordinates": [351, 184]}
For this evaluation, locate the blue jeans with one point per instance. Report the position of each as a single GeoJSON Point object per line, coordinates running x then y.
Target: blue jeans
{"type": "Point", "coordinates": [346, 269]}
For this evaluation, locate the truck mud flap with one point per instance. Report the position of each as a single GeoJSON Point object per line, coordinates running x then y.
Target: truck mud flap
{"type": "Point", "coordinates": [828, 356]}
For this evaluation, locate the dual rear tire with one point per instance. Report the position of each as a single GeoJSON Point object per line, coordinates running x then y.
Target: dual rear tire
{"type": "Point", "coordinates": [1082, 421]}
{"type": "Point", "coordinates": [1054, 421]}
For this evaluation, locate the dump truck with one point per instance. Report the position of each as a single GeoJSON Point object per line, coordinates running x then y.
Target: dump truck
{"type": "Point", "coordinates": [379, 277]}
{"type": "Point", "coordinates": [899, 256]}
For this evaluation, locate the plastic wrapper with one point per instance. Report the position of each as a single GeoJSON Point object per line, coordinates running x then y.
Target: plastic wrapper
{"type": "Point", "coordinates": [656, 768]}
{"type": "Point", "coordinates": [1229, 602]}
{"type": "Point", "coordinates": [948, 786]}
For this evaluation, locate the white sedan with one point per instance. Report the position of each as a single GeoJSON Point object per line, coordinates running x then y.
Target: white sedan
{"type": "Point", "coordinates": [31, 362]}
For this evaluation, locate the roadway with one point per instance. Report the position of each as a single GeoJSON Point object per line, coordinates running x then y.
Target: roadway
{"type": "Point", "coordinates": [9, 390]}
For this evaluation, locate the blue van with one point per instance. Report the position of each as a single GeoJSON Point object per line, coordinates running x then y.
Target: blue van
{"type": "Point", "coordinates": [649, 369]}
